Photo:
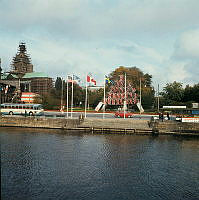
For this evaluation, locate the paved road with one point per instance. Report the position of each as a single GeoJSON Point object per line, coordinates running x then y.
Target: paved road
{"type": "Point", "coordinates": [88, 114]}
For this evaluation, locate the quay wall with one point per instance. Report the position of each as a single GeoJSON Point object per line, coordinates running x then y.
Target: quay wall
{"type": "Point", "coordinates": [175, 128]}
{"type": "Point", "coordinates": [38, 122]}
{"type": "Point", "coordinates": [116, 123]}
{"type": "Point", "coordinates": [131, 126]}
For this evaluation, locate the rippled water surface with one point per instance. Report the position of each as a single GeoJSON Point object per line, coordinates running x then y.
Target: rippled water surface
{"type": "Point", "coordinates": [40, 164]}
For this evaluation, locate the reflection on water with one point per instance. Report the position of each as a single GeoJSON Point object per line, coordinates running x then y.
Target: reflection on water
{"type": "Point", "coordinates": [48, 164]}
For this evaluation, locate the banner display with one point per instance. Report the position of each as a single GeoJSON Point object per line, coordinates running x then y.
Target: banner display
{"type": "Point", "coordinates": [116, 94]}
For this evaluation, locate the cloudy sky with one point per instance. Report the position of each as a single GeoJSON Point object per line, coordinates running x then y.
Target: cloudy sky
{"type": "Point", "coordinates": [161, 37]}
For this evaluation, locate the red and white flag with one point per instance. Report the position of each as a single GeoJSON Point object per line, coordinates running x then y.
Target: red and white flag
{"type": "Point", "coordinates": [90, 80]}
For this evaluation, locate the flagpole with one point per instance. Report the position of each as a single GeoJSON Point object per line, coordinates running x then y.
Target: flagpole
{"type": "Point", "coordinates": [72, 99]}
{"type": "Point", "coordinates": [67, 99]}
{"type": "Point", "coordinates": [85, 99]}
{"type": "Point", "coordinates": [104, 97]}
{"type": "Point", "coordinates": [140, 96]}
{"type": "Point", "coordinates": [125, 96]}
{"type": "Point", "coordinates": [62, 88]}
{"type": "Point", "coordinates": [158, 99]}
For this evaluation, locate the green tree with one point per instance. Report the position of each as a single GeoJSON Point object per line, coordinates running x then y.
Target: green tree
{"type": "Point", "coordinates": [173, 93]}
{"type": "Point", "coordinates": [191, 93]}
{"type": "Point", "coordinates": [95, 97]}
{"type": "Point", "coordinates": [58, 83]}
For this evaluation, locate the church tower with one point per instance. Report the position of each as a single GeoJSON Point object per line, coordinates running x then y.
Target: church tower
{"type": "Point", "coordinates": [21, 63]}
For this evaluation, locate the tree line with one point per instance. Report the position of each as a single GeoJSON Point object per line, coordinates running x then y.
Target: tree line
{"type": "Point", "coordinates": [175, 94]}
{"type": "Point", "coordinates": [172, 93]}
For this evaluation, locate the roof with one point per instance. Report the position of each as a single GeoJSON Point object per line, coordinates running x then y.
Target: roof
{"type": "Point", "coordinates": [35, 75]}
{"type": "Point", "coordinates": [6, 75]}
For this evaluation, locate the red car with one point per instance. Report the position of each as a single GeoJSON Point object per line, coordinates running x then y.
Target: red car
{"type": "Point", "coordinates": [121, 114]}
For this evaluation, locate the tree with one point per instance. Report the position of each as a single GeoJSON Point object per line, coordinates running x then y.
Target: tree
{"type": "Point", "coordinates": [191, 94]}
{"type": "Point", "coordinates": [173, 93]}
{"type": "Point", "coordinates": [58, 83]}
{"type": "Point", "coordinates": [95, 97]}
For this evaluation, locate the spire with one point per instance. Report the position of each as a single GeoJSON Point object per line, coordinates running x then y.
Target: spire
{"type": "Point", "coordinates": [21, 63]}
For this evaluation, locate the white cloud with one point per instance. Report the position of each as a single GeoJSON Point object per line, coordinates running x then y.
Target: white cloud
{"type": "Point", "coordinates": [187, 46]}
{"type": "Point", "coordinates": [95, 19]}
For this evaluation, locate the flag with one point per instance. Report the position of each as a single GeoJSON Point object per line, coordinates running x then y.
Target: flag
{"type": "Point", "coordinates": [76, 79]}
{"type": "Point", "coordinates": [90, 80]}
{"type": "Point", "coordinates": [107, 80]}
{"type": "Point", "coordinates": [94, 81]}
{"type": "Point", "coordinates": [69, 79]}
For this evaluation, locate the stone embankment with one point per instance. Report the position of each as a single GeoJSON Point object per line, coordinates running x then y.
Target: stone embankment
{"type": "Point", "coordinates": [117, 126]}
{"type": "Point", "coordinates": [39, 122]}
{"type": "Point", "coordinates": [92, 125]}
{"type": "Point", "coordinates": [175, 128]}
{"type": "Point", "coordinates": [116, 123]}
{"type": "Point", "coordinates": [95, 125]}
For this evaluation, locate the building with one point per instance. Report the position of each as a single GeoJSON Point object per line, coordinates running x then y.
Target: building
{"type": "Point", "coordinates": [22, 78]}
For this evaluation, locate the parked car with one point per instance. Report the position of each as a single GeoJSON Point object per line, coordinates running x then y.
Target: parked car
{"type": "Point", "coordinates": [121, 114]}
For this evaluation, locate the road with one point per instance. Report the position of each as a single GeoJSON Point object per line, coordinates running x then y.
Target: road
{"type": "Point", "coordinates": [90, 114]}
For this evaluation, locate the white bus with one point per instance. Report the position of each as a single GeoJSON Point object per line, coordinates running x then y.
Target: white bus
{"type": "Point", "coordinates": [21, 109]}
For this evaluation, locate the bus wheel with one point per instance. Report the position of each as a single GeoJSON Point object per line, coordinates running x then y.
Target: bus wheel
{"type": "Point", "coordinates": [10, 113]}
{"type": "Point", "coordinates": [30, 113]}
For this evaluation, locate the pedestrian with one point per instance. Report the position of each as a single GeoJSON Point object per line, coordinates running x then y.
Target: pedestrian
{"type": "Point", "coordinates": [25, 113]}
{"type": "Point", "coordinates": [162, 116]}
{"type": "Point", "coordinates": [168, 117]}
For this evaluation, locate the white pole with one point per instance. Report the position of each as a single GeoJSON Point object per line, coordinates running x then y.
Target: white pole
{"type": "Point", "coordinates": [104, 97]}
{"type": "Point", "coordinates": [86, 98]}
{"type": "Point", "coordinates": [140, 96]}
{"type": "Point", "coordinates": [67, 99]}
{"type": "Point", "coordinates": [72, 99]}
{"type": "Point", "coordinates": [158, 99]}
{"type": "Point", "coordinates": [124, 95]}
{"type": "Point", "coordinates": [62, 89]}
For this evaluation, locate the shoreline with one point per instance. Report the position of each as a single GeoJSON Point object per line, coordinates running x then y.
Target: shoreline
{"type": "Point", "coordinates": [105, 126]}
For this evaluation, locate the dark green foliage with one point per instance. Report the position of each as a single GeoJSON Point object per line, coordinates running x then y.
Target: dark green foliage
{"type": "Point", "coordinates": [175, 94]}
{"type": "Point", "coordinates": [58, 83]}
{"type": "Point", "coordinates": [95, 97]}
{"type": "Point", "coordinates": [53, 99]}
{"type": "Point", "coordinates": [191, 93]}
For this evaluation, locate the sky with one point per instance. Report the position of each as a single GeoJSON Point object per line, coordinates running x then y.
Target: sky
{"type": "Point", "coordinates": [160, 37]}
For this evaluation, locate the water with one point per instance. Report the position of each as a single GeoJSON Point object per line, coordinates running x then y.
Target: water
{"type": "Point", "coordinates": [42, 164]}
